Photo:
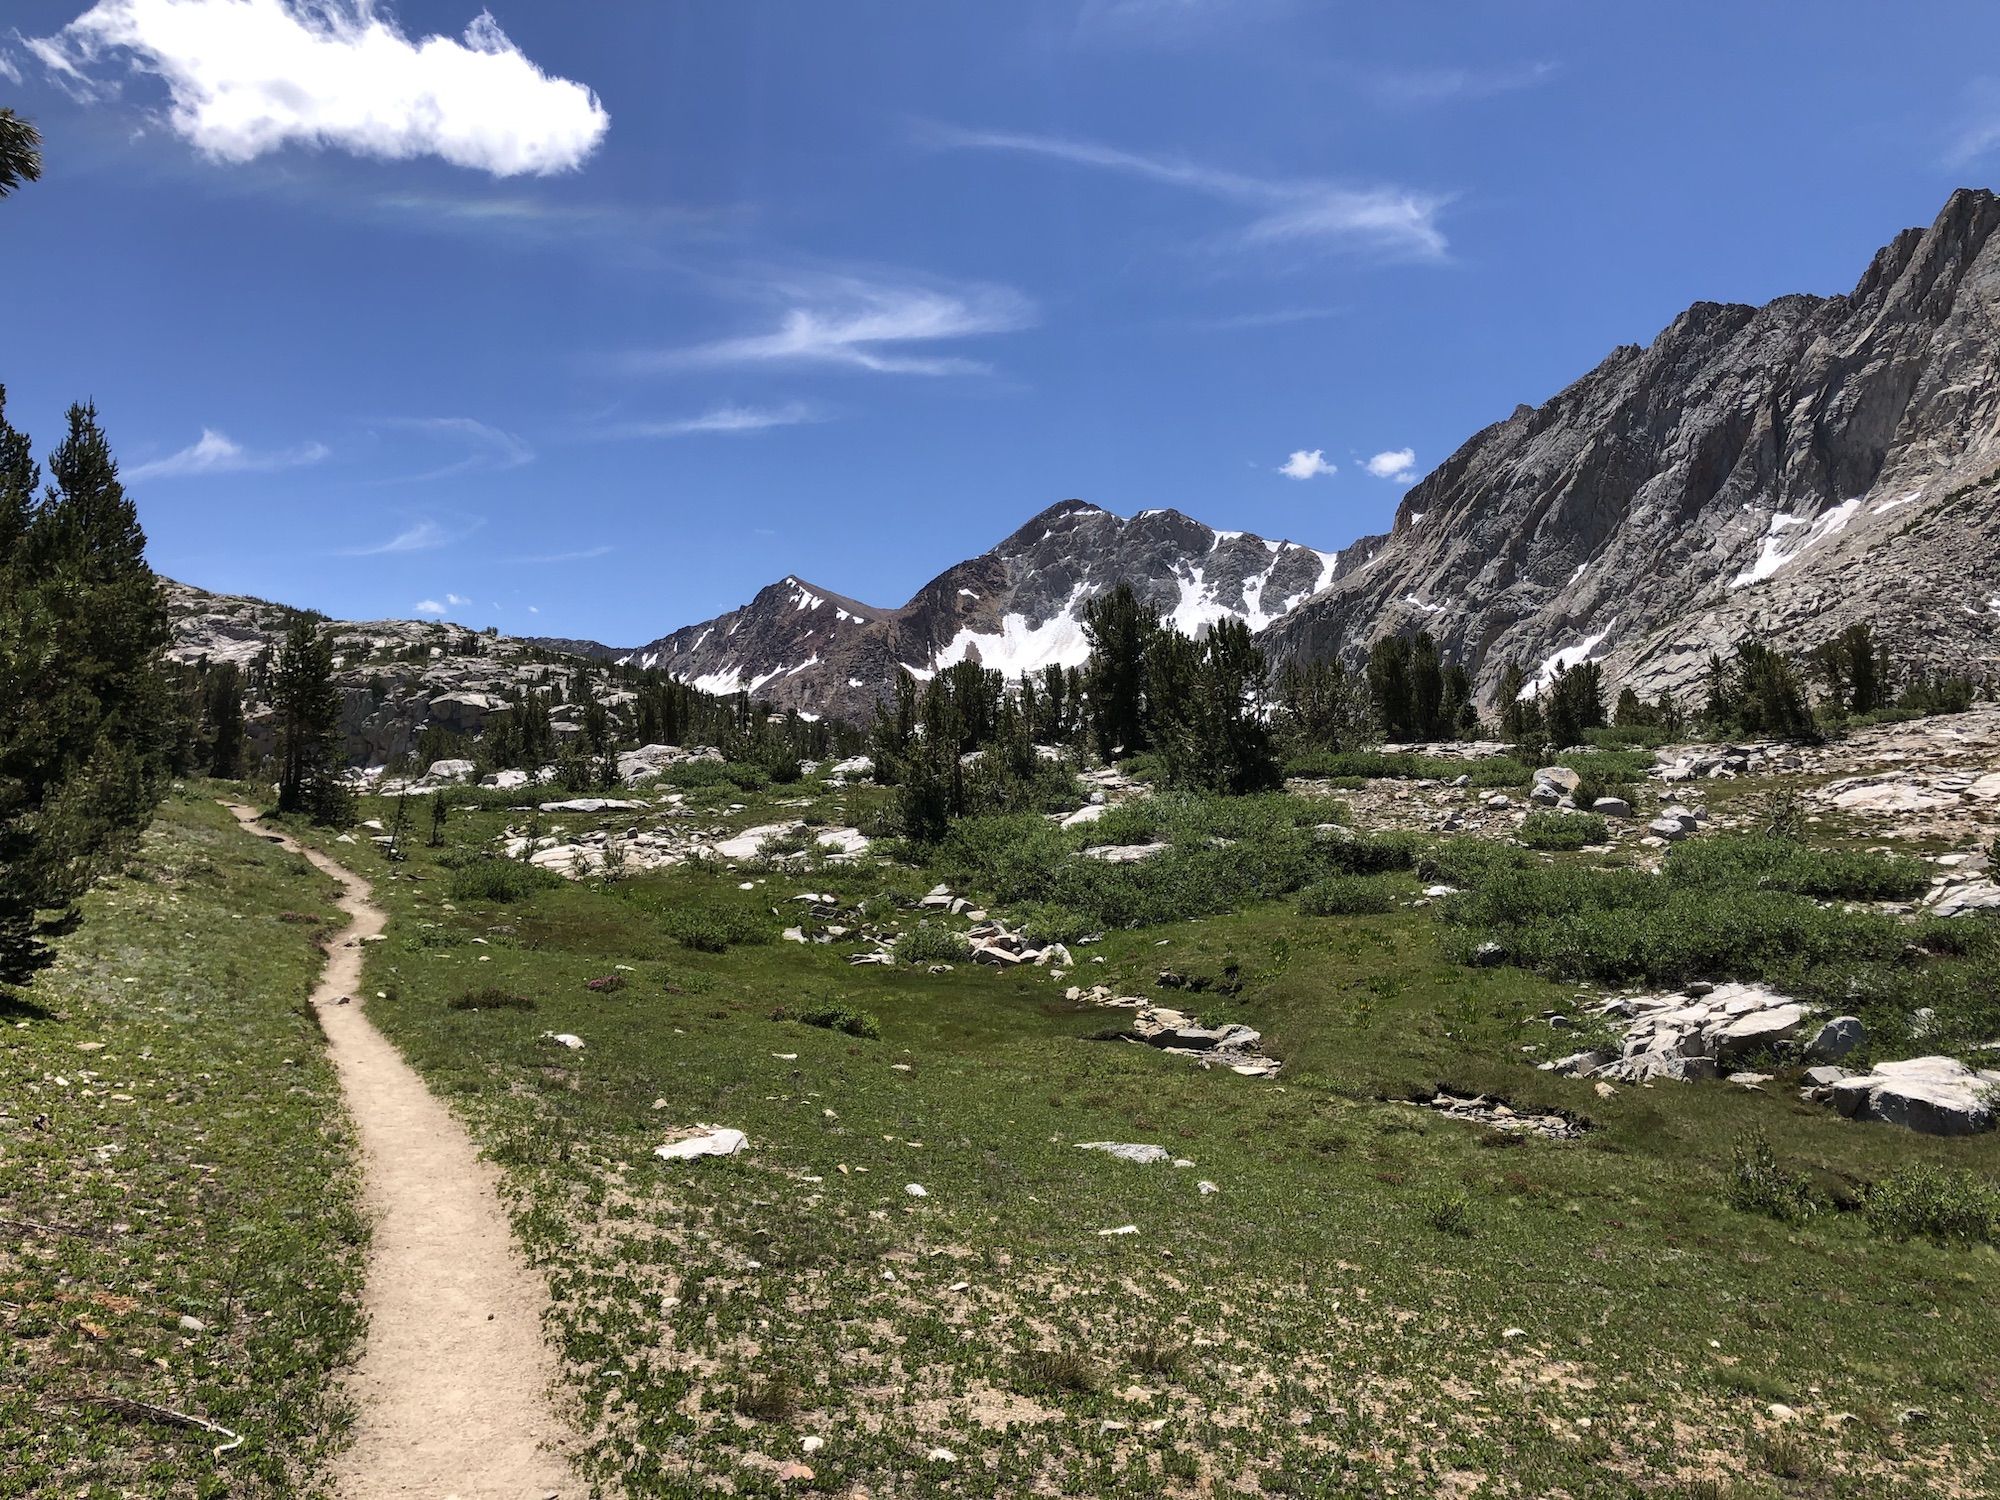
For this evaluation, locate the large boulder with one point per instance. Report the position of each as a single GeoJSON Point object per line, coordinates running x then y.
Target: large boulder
{"type": "Point", "coordinates": [1934, 1095]}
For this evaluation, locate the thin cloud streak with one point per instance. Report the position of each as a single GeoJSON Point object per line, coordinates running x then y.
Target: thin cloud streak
{"type": "Point", "coordinates": [847, 322]}
{"type": "Point", "coordinates": [425, 536]}
{"type": "Point", "coordinates": [721, 419]}
{"type": "Point", "coordinates": [215, 453]}
{"type": "Point", "coordinates": [492, 448]}
{"type": "Point", "coordinates": [1388, 220]}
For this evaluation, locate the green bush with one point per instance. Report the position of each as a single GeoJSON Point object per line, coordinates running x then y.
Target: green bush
{"type": "Point", "coordinates": [1045, 924]}
{"type": "Point", "coordinates": [745, 776]}
{"type": "Point", "coordinates": [1932, 1202]}
{"type": "Point", "coordinates": [1748, 861]}
{"type": "Point", "coordinates": [711, 928]}
{"type": "Point", "coordinates": [1481, 771]}
{"type": "Point", "coordinates": [1563, 830]}
{"type": "Point", "coordinates": [1467, 861]}
{"type": "Point", "coordinates": [489, 999]}
{"type": "Point", "coordinates": [500, 880]}
{"type": "Point", "coordinates": [841, 1018]}
{"type": "Point", "coordinates": [1345, 896]}
{"type": "Point", "coordinates": [1760, 1184]}
{"type": "Point", "coordinates": [925, 944]}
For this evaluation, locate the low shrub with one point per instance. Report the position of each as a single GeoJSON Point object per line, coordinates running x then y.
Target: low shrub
{"type": "Point", "coordinates": [1044, 924]}
{"type": "Point", "coordinates": [1448, 1211]}
{"type": "Point", "coordinates": [1563, 830]}
{"type": "Point", "coordinates": [1751, 861]}
{"type": "Point", "coordinates": [745, 776]}
{"type": "Point", "coordinates": [1481, 771]}
{"type": "Point", "coordinates": [1467, 861]}
{"type": "Point", "coordinates": [1056, 1372]}
{"type": "Point", "coordinates": [500, 880]}
{"type": "Point", "coordinates": [1760, 1184]}
{"type": "Point", "coordinates": [925, 944]}
{"type": "Point", "coordinates": [841, 1018]}
{"type": "Point", "coordinates": [489, 999]}
{"type": "Point", "coordinates": [1933, 1202]}
{"type": "Point", "coordinates": [1344, 896]}
{"type": "Point", "coordinates": [713, 928]}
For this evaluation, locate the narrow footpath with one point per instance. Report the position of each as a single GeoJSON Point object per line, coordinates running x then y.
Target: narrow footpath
{"type": "Point", "coordinates": [452, 1388]}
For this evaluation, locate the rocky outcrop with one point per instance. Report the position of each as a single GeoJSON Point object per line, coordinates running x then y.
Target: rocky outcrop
{"type": "Point", "coordinates": [396, 678]}
{"type": "Point", "coordinates": [1783, 470]}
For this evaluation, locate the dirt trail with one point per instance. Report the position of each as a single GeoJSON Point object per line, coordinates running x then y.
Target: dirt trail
{"type": "Point", "coordinates": [452, 1385]}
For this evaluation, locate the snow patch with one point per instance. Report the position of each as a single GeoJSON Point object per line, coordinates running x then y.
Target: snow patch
{"type": "Point", "coordinates": [1901, 500]}
{"type": "Point", "coordinates": [1776, 553]}
{"type": "Point", "coordinates": [1562, 661]}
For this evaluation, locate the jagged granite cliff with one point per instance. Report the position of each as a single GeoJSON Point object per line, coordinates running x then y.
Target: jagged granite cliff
{"type": "Point", "coordinates": [1785, 470]}
{"type": "Point", "coordinates": [1016, 607]}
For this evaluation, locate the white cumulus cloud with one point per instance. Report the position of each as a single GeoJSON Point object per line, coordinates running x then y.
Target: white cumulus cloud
{"type": "Point", "coordinates": [246, 77]}
{"type": "Point", "coordinates": [215, 453]}
{"type": "Point", "coordinates": [1397, 463]}
{"type": "Point", "coordinates": [1304, 464]}
{"type": "Point", "coordinates": [429, 607]}
{"type": "Point", "coordinates": [456, 599]}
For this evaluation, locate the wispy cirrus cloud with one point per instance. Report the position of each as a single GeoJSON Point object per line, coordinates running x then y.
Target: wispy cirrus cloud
{"type": "Point", "coordinates": [1392, 221]}
{"type": "Point", "coordinates": [1976, 131]}
{"type": "Point", "coordinates": [583, 554]}
{"type": "Point", "coordinates": [1417, 87]}
{"type": "Point", "coordinates": [857, 323]}
{"type": "Point", "coordinates": [485, 447]}
{"type": "Point", "coordinates": [719, 419]}
{"type": "Point", "coordinates": [215, 453]}
{"type": "Point", "coordinates": [247, 77]}
{"type": "Point", "coordinates": [422, 536]}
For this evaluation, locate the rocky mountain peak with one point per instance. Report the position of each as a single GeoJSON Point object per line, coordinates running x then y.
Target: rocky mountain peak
{"type": "Point", "coordinates": [1783, 470]}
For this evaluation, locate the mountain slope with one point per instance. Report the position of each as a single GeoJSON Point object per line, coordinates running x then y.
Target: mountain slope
{"type": "Point", "coordinates": [1016, 607]}
{"type": "Point", "coordinates": [1784, 470]}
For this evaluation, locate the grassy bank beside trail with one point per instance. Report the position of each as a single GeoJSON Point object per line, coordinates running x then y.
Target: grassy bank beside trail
{"type": "Point", "coordinates": [1372, 1300]}
{"type": "Point", "coordinates": [177, 1204]}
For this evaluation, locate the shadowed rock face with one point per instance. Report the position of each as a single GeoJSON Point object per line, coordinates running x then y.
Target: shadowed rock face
{"type": "Point", "coordinates": [1017, 607]}
{"type": "Point", "coordinates": [1787, 469]}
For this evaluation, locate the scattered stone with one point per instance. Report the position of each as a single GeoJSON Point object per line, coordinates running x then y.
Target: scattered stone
{"type": "Point", "coordinates": [564, 1039]}
{"type": "Point", "coordinates": [714, 1140]}
{"type": "Point", "coordinates": [1932, 1095]}
{"type": "Point", "coordinates": [1837, 1037]}
{"type": "Point", "coordinates": [1139, 1155]}
{"type": "Point", "coordinates": [1497, 1114]}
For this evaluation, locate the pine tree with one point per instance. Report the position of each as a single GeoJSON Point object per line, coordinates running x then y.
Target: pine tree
{"type": "Point", "coordinates": [1119, 629]}
{"type": "Point", "coordinates": [1426, 688]}
{"type": "Point", "coordinates": [222, 720]}
{"type": "Point", "coordinates": [308, 708]}
{"type": "Point", "coordinates": [86, 712]}
{"type": "Point", "coordinates": [1389, 686]}
{"type": "Point", "coordinates": [20, 152]}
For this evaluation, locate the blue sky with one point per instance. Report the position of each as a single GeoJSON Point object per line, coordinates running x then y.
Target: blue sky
{"type": "Point", "coordinates": [592, 319]}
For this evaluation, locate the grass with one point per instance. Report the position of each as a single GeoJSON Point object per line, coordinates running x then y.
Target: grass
{"type": "Point", "coordinates": [172, 1149]}
{"type": "Point", "coordinates": [1324, 1319]}
{"type": "Point", "coordinates": [1564, 831]}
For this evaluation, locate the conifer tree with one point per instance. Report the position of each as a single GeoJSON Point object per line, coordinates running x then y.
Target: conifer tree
{"type": "Point", "coordinates": [1426, 688]}
{"type": "Point", "coordinates": [222, 720]}
{"type": "Point", "coordinates": [1119, 629]}
{"type": "Point", "coordinates": [1389, 686]}
{"type": "Point", "coordinates": [86, 712]}
{"type": "Point", "coordinates": [308, 708]}
{"type": "Point", "coordinates": [20, 152]}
